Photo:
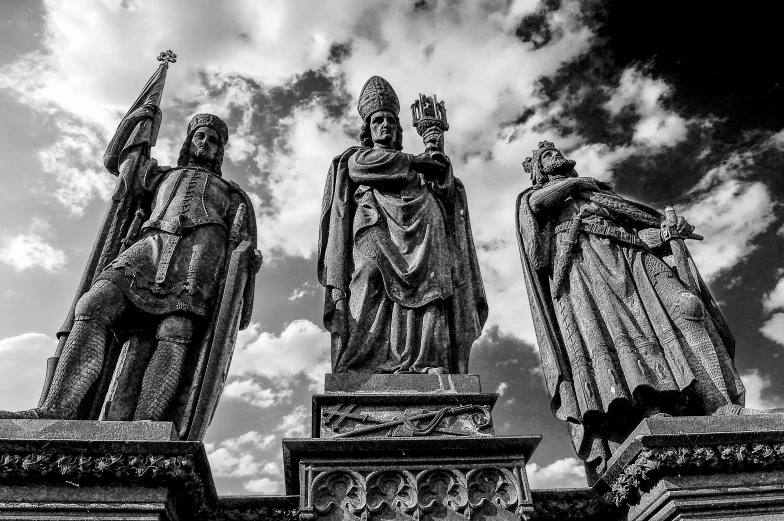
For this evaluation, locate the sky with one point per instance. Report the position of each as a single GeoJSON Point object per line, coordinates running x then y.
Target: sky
{"type": "Point", "coordinates": [672, 104]}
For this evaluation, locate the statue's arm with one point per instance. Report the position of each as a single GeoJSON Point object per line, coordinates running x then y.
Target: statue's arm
{"type": "Point", "coordinates": [381, 169]}
{"type": "Point", "coordinates": [554, 192]}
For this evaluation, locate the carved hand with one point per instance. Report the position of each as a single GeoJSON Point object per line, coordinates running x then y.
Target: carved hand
{"type": "Point", "coordinates": [587, 184]}
{"type": "Point", "coordinates": [427, 166]}
{"type": "Point", "coordinates": [680, 226]}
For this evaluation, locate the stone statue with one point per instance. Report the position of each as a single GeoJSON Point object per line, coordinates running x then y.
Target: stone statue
{"type": "Point", "coordinates": [623, 335]}
{"type": "Point", "coordinates": [396, 256]}
{"type": "Point", "coordinates": [168, 283]}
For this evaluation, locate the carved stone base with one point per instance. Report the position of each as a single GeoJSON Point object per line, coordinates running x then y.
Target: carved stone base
{"type": "Point", "coordinates": [404, 479]}
{"type": "Point", "coordinates": [689, 468]}
{"type": "Point", "coordinates": [101, 476]}
{"type": "Point", "coordinates": [376, 405]}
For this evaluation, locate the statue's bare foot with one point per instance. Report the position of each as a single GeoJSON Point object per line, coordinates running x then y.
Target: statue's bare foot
{"type": "Point", "coordinates": [30, 414]}
{"type": "Point", "coordinates": [436, 370]}
{"type": "Point", "coordinates": [736, 410]}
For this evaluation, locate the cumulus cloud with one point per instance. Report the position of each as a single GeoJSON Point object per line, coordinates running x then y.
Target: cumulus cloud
{"type": "Point", "coordinates": [773, 328]}
{"type": "Point", "coordinates": [24, 367]}
{"type": "Point", "coordinates": [239, 457]}
{"type": "Point", "coordinates": [729, 215]}
{"type": "Point", "coordinates": [295, 424]}
{"type": "Point", "coordinates": [657, 126]}
{"type": "Point", "coordinates": [264, 486]}
{"type": "Point", "coordinates": [27, 251]}
{"type": "Point", "coordinates": [301, 349]}
{"type": "Point", "coordinates": [255, 394]}
{"type": "Point", "coordinates": [756, 384]}
{"type": "Point", "coordinates": [564, 473]}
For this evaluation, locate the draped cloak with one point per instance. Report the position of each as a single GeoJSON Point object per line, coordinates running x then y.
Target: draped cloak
{"type": "Point", "coordinates": [412, 239]}
{"type": "Point", "coordinates": [596, 384]}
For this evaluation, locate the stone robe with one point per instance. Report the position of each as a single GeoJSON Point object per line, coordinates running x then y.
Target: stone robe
{"type": "Point", "coordinates": [404, 292]}
{"type": "Point", "coordinates": [612, 342]}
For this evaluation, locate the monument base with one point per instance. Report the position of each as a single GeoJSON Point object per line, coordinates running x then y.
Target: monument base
{"type": "Point", "coordinates": [405, 447]}
{"type": "Point", "coordinates": [706, 468]}
{"type": "Point", "coordinates": [114, 471]}
{"type": "Point", "coordinates": [410, 478]}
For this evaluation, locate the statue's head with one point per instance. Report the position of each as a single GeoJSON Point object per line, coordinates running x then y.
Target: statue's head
{"type": "Point", "coordinates": [207, 137]}
{"type": "Point", "coordinates": [379, 108]}
{"type": "Point", "coordinates": [547, 161]}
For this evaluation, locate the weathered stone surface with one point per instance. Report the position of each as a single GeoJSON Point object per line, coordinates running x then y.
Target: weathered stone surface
{"type": "Point", "coordinates": [261, 508]}
{"type": "Point", "coordinates": [625, 325]}
{"type": "Point", "coordinates": [406, 414]}
{"type": "Point", "coordinates": [410, 478]}
{"type": "Point", "coordinates": [701, 468]}
{"type": "Point", "coordinates": [401, 383]}
{"type": "Point", "coordinates": [86, 430]}
{"type": "Point", "coordinates": [396, 255]}
{"type": "Point", "coordinates": [100, 479]}
{"type": "Point", "coordinates": [152, 327]}
{"type": "Point", "coordinates": [567, 504]}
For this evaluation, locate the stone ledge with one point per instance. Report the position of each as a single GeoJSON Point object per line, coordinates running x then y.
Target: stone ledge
{"type": "Point", "coordinates": [86, 430]}
{"type": "Point", "coordinates": [359, 383]}
{"type": "Point", "coordinates": [112, 476]}
{"type": "Point", "coordinates": [662, 447]}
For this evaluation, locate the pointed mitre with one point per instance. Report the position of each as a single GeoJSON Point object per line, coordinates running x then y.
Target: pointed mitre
{"type": "Point", "coordinates": [377, 94]}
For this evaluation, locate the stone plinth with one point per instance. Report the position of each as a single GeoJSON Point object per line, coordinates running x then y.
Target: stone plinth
{"type": "Point", "coordinates": [459, 478]}
{"type": "Point", "coordinates": [372, 405]}
{"type": "Point", "coordinates": [116, 471]}
{"type": "Point", "coordinates": [407, 447]}
{"type": "Point", "coordinates": [707, 468]}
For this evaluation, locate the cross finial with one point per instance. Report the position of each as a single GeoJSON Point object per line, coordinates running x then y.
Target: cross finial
{"type": "Point", "coordinates": [167, 57]}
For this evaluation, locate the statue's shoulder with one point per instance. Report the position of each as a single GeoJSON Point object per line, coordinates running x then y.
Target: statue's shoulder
{"type": "Point", "coordinates": [350, 151]}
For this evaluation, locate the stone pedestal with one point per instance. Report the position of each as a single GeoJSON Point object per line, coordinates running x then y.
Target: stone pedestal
{"type": "Point", "coordinates": [407, 447]}
{"type": "Point", "coordinates": [706, 468]}
{"type": "Point", "coordinates": [83, 470]}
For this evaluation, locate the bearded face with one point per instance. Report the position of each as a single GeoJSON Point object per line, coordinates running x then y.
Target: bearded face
{"type": "Point", "coordinates": [554, 163]}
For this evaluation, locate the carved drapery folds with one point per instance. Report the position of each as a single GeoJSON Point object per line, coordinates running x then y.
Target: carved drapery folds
{"type": "Point", "coordinates": [431, 494]}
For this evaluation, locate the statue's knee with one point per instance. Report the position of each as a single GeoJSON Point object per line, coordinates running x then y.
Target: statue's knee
{"type": "Point", "coordinates": [176, 328]}
{"type": "Point", "coordinates": [689, 306]}
{"type": "Point", "coordinates": [104, 302]}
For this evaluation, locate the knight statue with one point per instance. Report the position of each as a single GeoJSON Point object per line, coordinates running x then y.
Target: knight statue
{"type": "Point", "coordinates": [626, 327]}
{"type": "Point", "coordinates": [168, 283]}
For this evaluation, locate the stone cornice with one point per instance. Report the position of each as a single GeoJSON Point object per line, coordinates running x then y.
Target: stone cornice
{"type": "Point", "coordinates": [651, 463]}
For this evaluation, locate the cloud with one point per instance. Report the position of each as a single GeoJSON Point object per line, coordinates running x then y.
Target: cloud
{"type": "Point", "coordinates": [239, 457]}
{"type": "Point", "coordinates": [729, 215]}
{"type": "Point", "coordinates": [297, 174]}
{"type": "Point", "coordinates": [295, 424]}
{"type": "Point", "coordinates": [256, 395]}
{"type": "Point", "coordinates": [264, 486]}
{"type": "Point", "coordinates": [502, 387]}
{"type": "Point", "coordinates": [301, 349]}
{"type": "Point", "coordinates": [24, 367]}
{"type": "Point", "coordinates": [564, 473]}
{"type": "Point", "coordinates": [775, 299]}
{"type": "Point", "coordinates": [773, 328]}
{"type": "Point", "coordinates": [657, 126]}
{"type": "Point", "coordinates": [756, 384]}
{"type": "Point", "coordinates": [27, 251]}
